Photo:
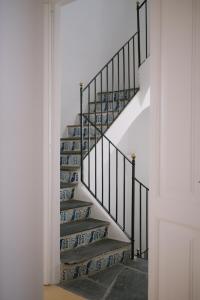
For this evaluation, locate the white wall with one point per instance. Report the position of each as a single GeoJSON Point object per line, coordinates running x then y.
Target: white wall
{"type": "Point", "coordinates": [91, 32]}
{"type": "Point", "coordinates": [21, 149]}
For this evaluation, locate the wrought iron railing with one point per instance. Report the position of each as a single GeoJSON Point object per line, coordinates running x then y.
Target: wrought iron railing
{"type": "Point", "coordinates": [105, 171]}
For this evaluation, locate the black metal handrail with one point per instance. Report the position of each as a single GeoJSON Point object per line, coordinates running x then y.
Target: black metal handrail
{"type": "Point", "coordinates": [101, 102]}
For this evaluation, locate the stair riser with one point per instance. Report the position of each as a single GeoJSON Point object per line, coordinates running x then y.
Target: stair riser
{"type": "Point", "coordinates": [69, 177]}
{"type": "Point", "coordinates": [76, 131]}
{"type": "Point", "coordinates": [67, 194]}
{"type": "Point", "coordinates": [106, 119]}
{"type": "Point", "coordinates": [75, 214]}
{"type": "Point", "coordinates": [122, 95]}
{"type": "Point", "coordinates": [112, 106]}
{"type": "Point", "coordinates": [95, 265]}
{"type": "Point", "coordinates": [83, 238]}
{"type": "Point", "coordinates": [70, 160]}
{"type": "Point", "coordinates": [74, 146]}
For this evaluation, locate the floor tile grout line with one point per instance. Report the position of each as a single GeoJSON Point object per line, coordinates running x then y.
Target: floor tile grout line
{"type": "Point", "coordinates": [111, 285]}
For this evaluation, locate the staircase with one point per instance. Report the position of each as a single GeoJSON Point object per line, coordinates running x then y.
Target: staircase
{"type": "Point", "coordinates": [84, 244]}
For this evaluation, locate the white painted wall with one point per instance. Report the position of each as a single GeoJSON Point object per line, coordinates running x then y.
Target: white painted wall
{"type": "Point", "coordinates": [91, 32]}
{"type": "Point", "coordinates": [21, 81]}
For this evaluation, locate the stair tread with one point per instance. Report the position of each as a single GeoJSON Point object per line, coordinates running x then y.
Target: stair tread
{"type": "Point", "coordinates": [108, 101]}
{"type": "Point", "coordinates": [79, 255]}
{"type": "Point", "coordinates": [72, 138]}
{"type": "Point", "coordinates": [86, 126]}
{"type": "Point", "coordinates": [80, 226]}
{"type": "Point", "coordinates": [69, 167]}
{"type": "Point", "coordinates": [68, 185]}
{"type": "Point", "coordinates": [70, 204]}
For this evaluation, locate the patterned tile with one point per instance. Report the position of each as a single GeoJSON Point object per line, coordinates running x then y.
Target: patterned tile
{"type": "Point", "coordinates": [67, 193]}
{"type": "Point", "coordinates": [75, 214]}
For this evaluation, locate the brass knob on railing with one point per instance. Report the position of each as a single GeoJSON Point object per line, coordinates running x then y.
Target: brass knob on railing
{"type": "Point", "coordinates": [81, 84]}
{"type": "Point", "coordinates": [133, 156]}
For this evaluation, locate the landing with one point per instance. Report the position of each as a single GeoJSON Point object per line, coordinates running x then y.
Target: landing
{"type": "Point", "coordinates": [127, 282]}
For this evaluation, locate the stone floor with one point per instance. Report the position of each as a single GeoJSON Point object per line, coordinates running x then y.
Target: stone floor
{"type": "Point", "coordinates": [127, 282]}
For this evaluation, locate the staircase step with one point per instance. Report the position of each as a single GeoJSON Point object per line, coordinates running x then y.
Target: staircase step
{"type": "Point", "coordinates": [75, 130]}
{"type": "Point", "coordinates": [111, 106]}
{"type": "Point", "coordinates": [74, 210]}
{"type": "Point", "coordinates": [104, 117]}
{"type": "Point", "coordinates": [80, 233]}
{"type": "Point", "coordinates": [117, 95]}
{"type": "Point", "coordinates": [72, 160]}
{"type": "Point", "coordinates": [72, 145]}
{"type": "Point", "coordinates": [95, 257]}
{"type": "Point", "coordinates": [69, 177]}
{"type": "Point", "coordinates": [67, 193]}
{"type": "Point", "coordinates": [65, 185]}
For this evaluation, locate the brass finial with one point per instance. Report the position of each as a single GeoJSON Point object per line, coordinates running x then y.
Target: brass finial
{"type": "Point", "coordinates": [81, 84]}
{"type": "Point", "coordinates": [138, 3]}
{"type": "Point", "coordinates": [133, 156]}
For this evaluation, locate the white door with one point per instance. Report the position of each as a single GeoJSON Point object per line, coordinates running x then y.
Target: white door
{"type": "Point", "coordinates": [175, 158]}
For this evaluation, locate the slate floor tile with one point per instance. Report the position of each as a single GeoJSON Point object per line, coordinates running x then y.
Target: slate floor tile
{"type": "Point", "coordinates": [107, 276]}
{"type": "Point", "coordinates": [130, 285]}
{"type": "Point", "coordinates": [86, 288]}
{"type": "Point", "coordinates": [139, 264]}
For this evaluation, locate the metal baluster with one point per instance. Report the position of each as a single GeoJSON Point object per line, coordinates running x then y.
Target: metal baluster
{"type": "Point", "coordinates": [116, 184]}
{"type": "Point", "coordinates": [146, 28]}
{"type": "Point", "coordinates": [129, 82]}
{"type": "Point", "coordinates": [101, 104]}
{"type": "Point", "coordinates": [140, 226]}
{"type": "Point", "coordinates": [147, 222]}
{"type": "Point", "coordinates": [124, 73]}
{"type": "Point", "coordinates": [88, 136]}
{"type": "Point", "coordinates": [109, 183]}
{"type": "Point", "coordinates": [107, 93]}
{"type": "Point", "coordinates": [138, 30]}
{"type": "Point", "coordinates": [95, 154]}
{"type": "Point", "coordinates": [113, 76]}
{"type": "Point", "coordinates": [118, 79]}
{"type": "Point", "coordinates": [124, 195]}
{"type": "Point", "coordinates": [81, 119]}
{"type": "Point", "coordinates": [102, 178]}
{"type": "Point", "coordinates": [134, 64]}
{"type": "Point", "coordinates": [133, 208]}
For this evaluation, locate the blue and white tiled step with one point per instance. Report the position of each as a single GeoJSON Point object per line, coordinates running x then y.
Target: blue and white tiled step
{"type": "Point", "coordinates": [75, 131]}
{"type": "Point", "coordinates": [67, 193]}
{"type": "Point", "coordinates": [70, 160]}
{"type": "Point", "coordinates": [106, 118]}
{"type": "Point", "coordinates": [74, 210]}
{"type": "Point", "coordinates": [69, 177]}
{"type": "Point", "coordinates": [93, 258]}
{"type": "Point", "coordinates": [82, 233]}
{"type": "Point", "coordinates": [72, 145]}
{"type": "Point", "coordinates": [116, 95]}
{"type": "Point", "coordinates": [108, 106]}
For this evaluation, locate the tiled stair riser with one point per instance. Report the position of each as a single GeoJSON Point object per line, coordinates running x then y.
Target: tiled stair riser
{"type": "Point", "coordinates": [106, 118]}
{"type": "Point", "coordinates": [76, 131]}
{"type": "Point", "coordinates": [94, 265]}
{"type": "Point", "coordinates": [70, 159]}
{"type": "Point", "coordinates": [108, 106]}
{"type": "Point", "coordinates": [69, 177]}
{"type": "Point", "coordinates": [121, 95]}
{"type": "Point", "coordinates": [75, 214]}
{"type": "Point", "coordinates": [75, 145]}
{"type": "Point", "coordinates": [67, 193]}
{"type": "Point", "coordinates": [83, 238]}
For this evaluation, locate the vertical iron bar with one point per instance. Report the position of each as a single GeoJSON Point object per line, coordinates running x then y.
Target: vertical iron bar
{"type": "Point", "coordinates": [133, 209]}
{"type": "Point", "coordinates": [81, 133]}
{"type": "Point", "coordinates": [88, 136]}
{"type": "Point", "coordinates": [146, 28]}
{"type": "Point", "coordinates": [113, 76]}
{"type": "Point", "coordinates": [116, 185]}
{"type": "Point", "coordinates": [140, 219]}
{"type": "Point", "coordinates": [134, 63]}
{"type": "Point", "coordinates": [124, 73]}
{"type": "Point", "coordinates": [102, 178]}
{"type": "Point", "coordinates": [129, 83]}
{"type": "Point", "coordinates": [147, 223]}
{"type": "Point", "coordinates": [95, 154]}
{"type": "Point", "coordinates": [109, 183]}
{"type": "Point", "coordinates": [138, 31]}
{"type": "Point", "coordinates": [124, 195]}
{"type": "Point", "coordinates": [101, 104]}
{"type": "Point", "coordinates": [118, 78]}
{"type": "Point", "coordinates": [107, 93]}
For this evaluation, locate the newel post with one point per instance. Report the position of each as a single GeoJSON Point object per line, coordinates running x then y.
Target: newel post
{"type": "Point", "coordinates": [81, 129]}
